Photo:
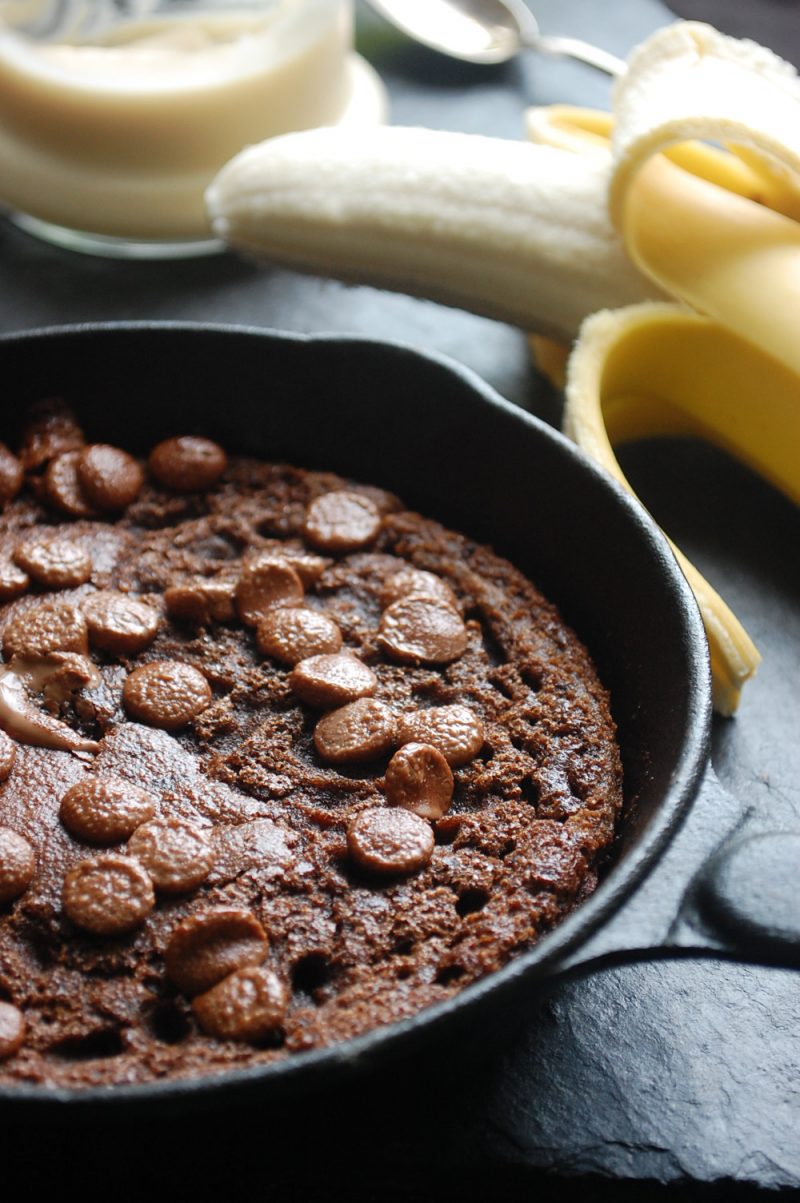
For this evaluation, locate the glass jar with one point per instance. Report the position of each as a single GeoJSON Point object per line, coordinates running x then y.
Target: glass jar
{"type": "Point", "coordinates": [116, 114]}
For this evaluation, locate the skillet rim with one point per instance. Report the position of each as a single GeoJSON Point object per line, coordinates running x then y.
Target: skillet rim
{"type": "Point", "coordinates": [621, 878]}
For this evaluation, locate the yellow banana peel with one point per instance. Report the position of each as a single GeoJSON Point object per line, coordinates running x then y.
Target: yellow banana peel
{"type": "Point", "coordinates": [660, 369]}
{"type": "Point", "coordinates": [717, 229]}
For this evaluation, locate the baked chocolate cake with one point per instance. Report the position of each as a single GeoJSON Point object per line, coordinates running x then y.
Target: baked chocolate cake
{"type": "Point", "coordinates": [282, 761]}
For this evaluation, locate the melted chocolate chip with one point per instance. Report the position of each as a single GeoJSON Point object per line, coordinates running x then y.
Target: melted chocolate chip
{"type": "Point", "coordinates": [455, 730]}
{"type": "Point", "coordinates": [13, 581]}
{"type": "Point", "coordinates": [59, 676]}
{"type": "Point", "coordinates": [55, 563]}
{"type": "Point", "coordinates": [266, 583]}
{"type": "Point", "coordinates": [363, 730]}
{"type": "Point", "coordinates": [109, 477]}
{"type": "Point", "coordinates": [187, 464]}
{"type": "Point", "coordinates": [294, 634]}
{"type": "Point", "coordinates": [62, 487]}
{"type": "Point", "coordinates": [51, 429]}
{"type": "Point", "coordinates": [414, 582]}
{"type": "Point", "coordinates": [166, 694]}
{"type": "Point", "coordinates": [332, 680]}
{"type": "Point", "coordinates": [109, 895]}
{"type": "Point", "coordinates": [177, 855]}
{"type": "Point", "coordinates": [11, 475]}
{"type": "Point", "coordinates": [8, 754]}
{"type": "Point", "coordinates": [390, 841]}
{"type": "Point", "coordinates": [418, 630]}
{"type": "Point", "coordinates": [247, 1005]}
{"type": "Point", "coordinates": [307, 566]}
{"type": "Point", "coordinates": [119, 623]}
{"type": "Point", "coordinates": [17, 865]}
{"type": "Point", "coordinates": [26, 722]}
{"type": "Point", "coordinates": [105, 810]}
{"type": "Point", "coordinates": [49, 626]}
{"type": "Point", "coordinates": [418, 778]}
{"type": "Point", "coordinates": [205, 948]}
{"type": "Point", "coordinates": [341, 521]}
{"type": "Point", "coordinates": [202, 599]}
{"type": "Point", "coordinates": [12, 1030]}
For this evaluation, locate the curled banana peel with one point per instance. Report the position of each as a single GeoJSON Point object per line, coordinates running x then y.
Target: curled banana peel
{"type": "Point", "coordinates": [717, 229]}
{"type": "Point", "coordinates": [689, 81]}
{"type": "Point", "coordinates": [588, 131]}
{"type": "Point", "coordinates": [689, 190]}
{"type": "Point", "coordinates": [660, 369]}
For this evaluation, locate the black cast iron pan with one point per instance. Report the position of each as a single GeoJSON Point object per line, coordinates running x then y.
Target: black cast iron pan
{"type": "Point", "coordinates": [716, 882]}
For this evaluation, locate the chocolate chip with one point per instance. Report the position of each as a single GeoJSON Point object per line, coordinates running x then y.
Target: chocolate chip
{"type": "Point", "coordinates": [332, 680]}
{"type": "Point", "coordinates": [50, 626]}
{"type": "Point", "coordinates": [62, 487]}
{"type": "Point", "coordinates": [390, 841]}
{"type": "Point", "coordinates": [455, 730]}
{"type": "Point", "coordinates": [105, 810]}
{"type": "Point", "coordinates": [419, 630]}
{"type": "Point", "coordinates": [61, 675]}
{"type": "Point", "coordinates": [247, 1005]}
{"type": "Point", "coordinates": [290, 635]}
{"type": "Point", "coordinates": [266, 583]}
{"type": "Point", "coordinates": [25, 721]}
{"type": "Point", "coordinates": [363, 730]}
{"type": "Point", "coordinates": [202, 598]}
{"type": "Point", "coordinates": [166, 694]}
{"type": "Point", "coordinates": [55, 563]}
{"type": "Point", "coordinates": [414, 582]}
{"type": "Point", "coordinates": [418, 778]}
{"type": "Point", "coordinates": [205, 948]}
{"type": "Point", "coordinates": [109, 895]}
{"type": "Point", "coordinates": [187, 464]}
{"type": "Point", "coordinates": [177, 855]}
{"type": "Point", "coordinates": [119, 623]}
{"type": "Point", "coordinates": [110, 478]}
{"type": "Point", "coordinates": [17, 865]}
{"type": "Point", "coordinates": [11, 475]}
{"type": "Point", "coordinates": [341, 522]}
{"type": "Point", "coordinates": [307, 566]}
{"type": "Point", "coordinates": [12, 1030]}
{"type": "Point", "coordinates": [13, 581]}
{"type": "Point", "coordinates": [51, 429]}
{"type": "Point", "coordinates": [8, 754]}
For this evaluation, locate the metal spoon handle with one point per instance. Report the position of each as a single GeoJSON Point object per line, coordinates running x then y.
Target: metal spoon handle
{"type": "Point", "coordinates": [603, 60]}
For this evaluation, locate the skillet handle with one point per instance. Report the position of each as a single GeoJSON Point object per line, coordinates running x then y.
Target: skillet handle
{"type": "Point", "coordinates": [727, 886]}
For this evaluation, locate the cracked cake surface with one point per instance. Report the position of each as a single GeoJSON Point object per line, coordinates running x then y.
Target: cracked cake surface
{"type": "Point", "coordinates": [244, 855]}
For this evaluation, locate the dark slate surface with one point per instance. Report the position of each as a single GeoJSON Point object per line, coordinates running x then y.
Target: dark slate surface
{"type": "Point", "coordinates": [680, 1072]}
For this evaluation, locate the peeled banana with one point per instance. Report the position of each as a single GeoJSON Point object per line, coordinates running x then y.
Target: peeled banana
{"type": "Point", "coordinates": [515, 232]}
{"type": "Point", "coordinates": [600, 212]}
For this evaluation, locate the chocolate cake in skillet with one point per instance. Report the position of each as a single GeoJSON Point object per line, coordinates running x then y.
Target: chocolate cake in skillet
{"type": "Point", "coordinates": [281, 760]}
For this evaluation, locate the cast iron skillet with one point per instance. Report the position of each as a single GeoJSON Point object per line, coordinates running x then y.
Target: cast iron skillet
{"type": "Point", "coordinates": [452, 448]}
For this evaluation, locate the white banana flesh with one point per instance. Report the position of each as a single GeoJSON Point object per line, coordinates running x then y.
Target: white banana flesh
{"type": "Point", "coordinates": [602, 212]}
{"type": "Point", "coordinates": [512, 231]}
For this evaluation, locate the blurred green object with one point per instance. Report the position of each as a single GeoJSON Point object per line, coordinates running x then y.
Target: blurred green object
{"type": "Point", "coordinates": [375, 37]}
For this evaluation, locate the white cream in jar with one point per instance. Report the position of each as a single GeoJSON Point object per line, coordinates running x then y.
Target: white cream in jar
{"type": "Point", "coordinates": [121, 136]}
